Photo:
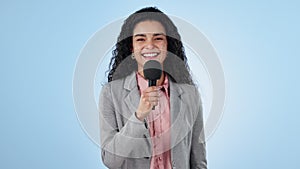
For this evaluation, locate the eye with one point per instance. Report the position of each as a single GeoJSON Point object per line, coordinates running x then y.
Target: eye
{"type": "Point", "coordinates": [159, 38]}
{"type": "Point", "coordinates": [140, 39]}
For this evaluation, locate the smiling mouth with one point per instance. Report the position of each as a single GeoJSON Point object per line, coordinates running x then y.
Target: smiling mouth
{"type": "Point", "coordinates": [150, 55]}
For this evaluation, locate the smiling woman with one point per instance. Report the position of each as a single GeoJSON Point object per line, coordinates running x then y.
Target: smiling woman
{"type": "Point", "coordinates": [132, 134]}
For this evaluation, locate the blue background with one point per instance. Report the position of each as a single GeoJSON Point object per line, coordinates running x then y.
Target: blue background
{"type": "Point", "coordinates": [257, 42]}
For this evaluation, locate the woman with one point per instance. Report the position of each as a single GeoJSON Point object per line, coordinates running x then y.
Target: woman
{"type": "Point", "coordinates": [133, 134]}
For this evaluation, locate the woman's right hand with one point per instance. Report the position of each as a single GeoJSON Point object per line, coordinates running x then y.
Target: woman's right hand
{"type": "Point", "coordinates": [149, 98]}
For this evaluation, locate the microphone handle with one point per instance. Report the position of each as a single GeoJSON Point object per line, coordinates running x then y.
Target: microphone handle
{"type": "Point", "coordinates": [152, 83]}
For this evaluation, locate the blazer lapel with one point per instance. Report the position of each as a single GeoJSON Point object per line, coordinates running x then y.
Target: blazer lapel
{"type": "Point", "coordinates": [178, 110]}
{"type": "Point", "coordinates": [133, 96]}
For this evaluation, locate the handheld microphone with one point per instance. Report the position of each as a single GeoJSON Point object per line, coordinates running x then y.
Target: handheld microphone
{"type": "Point", "coordinates": [152, 71]}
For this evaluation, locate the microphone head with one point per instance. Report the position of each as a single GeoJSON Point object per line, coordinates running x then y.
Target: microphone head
{"type": "Point", "coordinates": [152, 70]}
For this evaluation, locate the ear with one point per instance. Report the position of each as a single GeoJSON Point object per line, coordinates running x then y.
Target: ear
{"type": "Point", "coordinates": [131, 48]}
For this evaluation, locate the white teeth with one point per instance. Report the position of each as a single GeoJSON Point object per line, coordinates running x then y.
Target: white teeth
{"type": "Point", "coordinates": [150, 54]}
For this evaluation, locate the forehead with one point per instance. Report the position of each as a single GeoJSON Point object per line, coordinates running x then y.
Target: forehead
{"type": "Point", "coordinates": [149, 27]}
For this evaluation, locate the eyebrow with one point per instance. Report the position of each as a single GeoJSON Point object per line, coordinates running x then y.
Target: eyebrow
{"type": "Point", "coordinates": [144, 35]}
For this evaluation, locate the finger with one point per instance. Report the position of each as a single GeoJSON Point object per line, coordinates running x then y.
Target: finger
{"type": "Point", "coordinates": [146, 103]}
{"type": "Point", "coordinates": [151, 99]}
{"type": "Point", "coordinates": [152, 93]}
{"type": "Point", "coordinates": [152, 88]}
{"type": "Point", "coordinates": [151, 102]}
{"type": "Point", "coordinates": [154, 104]}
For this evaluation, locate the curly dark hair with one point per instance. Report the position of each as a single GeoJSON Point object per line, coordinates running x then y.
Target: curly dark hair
{"type": "Point", "coordinates": [175, 64]}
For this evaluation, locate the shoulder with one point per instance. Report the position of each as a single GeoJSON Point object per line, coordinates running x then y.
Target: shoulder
{"type": "Point", "coordinates": [188, 89]}
{"type": "Point", "coordinates": [113, 85]}
{"type": "Point", "coordinates": [126, 82]}
{"type": "Point", "coordinates": [121, 85]}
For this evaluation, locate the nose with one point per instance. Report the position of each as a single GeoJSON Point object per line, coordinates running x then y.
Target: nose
{"type": "Point", "coordinates": [149, 44]}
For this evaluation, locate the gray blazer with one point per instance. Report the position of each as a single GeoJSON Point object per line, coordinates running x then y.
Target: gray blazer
{"type": "Point", "coordinates": [125, 140]}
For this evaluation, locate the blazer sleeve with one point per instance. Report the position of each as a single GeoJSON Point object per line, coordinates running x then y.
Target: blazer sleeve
{"type": "Point", "coordinates": [119, 143]}
{"type": "Point", "coordinates": [198, 150]}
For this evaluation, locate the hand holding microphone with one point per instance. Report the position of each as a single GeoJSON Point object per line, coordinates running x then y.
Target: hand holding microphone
{"type": "Point", "coordinates": [150, 96]}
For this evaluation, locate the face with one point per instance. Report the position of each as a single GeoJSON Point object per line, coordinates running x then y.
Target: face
{"type": "Point", "coordinates": [149, 43]}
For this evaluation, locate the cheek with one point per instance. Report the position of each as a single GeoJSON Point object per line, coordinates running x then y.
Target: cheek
{"type": "Point", "coordinates": [164, 49]}
{"type": "Point", "coordinates": [163, 45]}
{"type": "Point", "coordinates": [135, 48]}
